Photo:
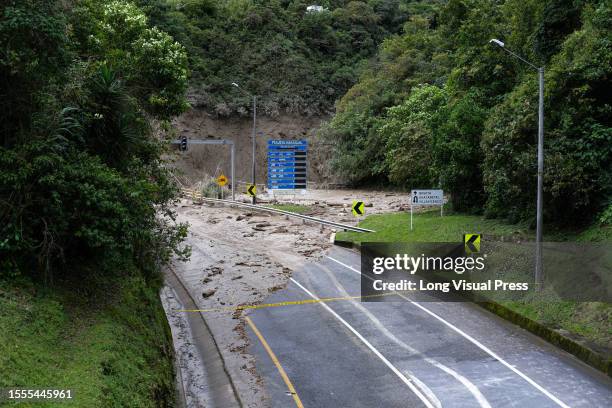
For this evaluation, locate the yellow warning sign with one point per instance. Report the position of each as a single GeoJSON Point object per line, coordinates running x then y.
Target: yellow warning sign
{"type": "Point", "coordinates": [252, 190]}
{"type": "Point", "coordinates": [222, 180]}
{"type": "Point", "coordinates": [472, 243]}
{"type": "Point", "coordinates": [358, 208]}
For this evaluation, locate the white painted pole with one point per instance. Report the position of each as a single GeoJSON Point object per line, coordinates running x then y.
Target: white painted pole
{"type": "Point", "coordinates": [254, 200]}
{"type": "Point", "coordinates": [232, 175]}
{"type": "Point", "coordinates": [539, 272]}
{"type": "Point", "coordinates": [411, 214]}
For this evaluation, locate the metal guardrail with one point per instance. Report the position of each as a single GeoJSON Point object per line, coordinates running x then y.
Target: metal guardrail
{"type": "Point", "coordinates": [197, 195]}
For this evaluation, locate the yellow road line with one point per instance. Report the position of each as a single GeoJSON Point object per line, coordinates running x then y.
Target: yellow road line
{"type": "Point", "coordinates": [287, 303]}
{"type": "Point", "coordinates": [277, 363]}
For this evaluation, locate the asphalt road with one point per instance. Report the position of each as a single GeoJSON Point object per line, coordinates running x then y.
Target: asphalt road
{"type": "Point", "coordinates": [347, 353]}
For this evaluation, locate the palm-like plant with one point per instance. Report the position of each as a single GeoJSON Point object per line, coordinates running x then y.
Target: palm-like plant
{"type": "Point", "coordinates": [117, 128]}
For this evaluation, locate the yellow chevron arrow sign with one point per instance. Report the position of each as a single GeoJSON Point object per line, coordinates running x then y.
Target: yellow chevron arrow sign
{"type": "Point", "coordinates": [252, 190]}
{"type": "Point", "coordinates": [358, 208]}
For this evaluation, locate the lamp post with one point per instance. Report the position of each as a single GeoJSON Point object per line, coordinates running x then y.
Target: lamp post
{"type": "Point", "coordinates": [254, 131]}
{"type": "Point", "coordinates": [539, 272]}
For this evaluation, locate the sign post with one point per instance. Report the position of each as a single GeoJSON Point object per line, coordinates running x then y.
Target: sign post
{"type": "Point", "coordinates": [426, 198]}
{"type": "Point", "coordinates": [222, 181]}
{"type": "Point", "coordinates": [179, 142]}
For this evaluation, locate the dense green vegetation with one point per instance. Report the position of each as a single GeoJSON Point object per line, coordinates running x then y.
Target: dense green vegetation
{"type": "Point", "coordinates": [86, 217]}
{"type": "Point", "coordinates": [112, 350]}
{"type": "Point", "coordinates": [433, 105]}
{"type": "Point", "coordinates": [586, 321]}
{"type": "Point", "coordinates": [88, 89]}
{"type": "Point", "coordinates": [440, 106]}
{"type": "Point", "coordinates": [82, 183]}
{"type": "Point", "coordinates": [299, 61]}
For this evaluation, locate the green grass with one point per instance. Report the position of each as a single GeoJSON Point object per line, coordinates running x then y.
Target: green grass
{"type": "Point", "coordinates": [427, 227]}
{"type": "Point", "coordinates": [295, 208]}
{"type": "Point", "coordinates": [115, 351]}
{"type": "Point", "coordinates": [595, 233]}
{"type": "Point", "coordinates": [590, 321]}
{"type": "Point", "coordinates": [587, 321]}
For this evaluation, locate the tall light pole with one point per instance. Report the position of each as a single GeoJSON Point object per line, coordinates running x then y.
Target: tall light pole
{"type": "Point", "coordinates": [254, 131]}
{"type": "Point", "coordinates": [539, 272]}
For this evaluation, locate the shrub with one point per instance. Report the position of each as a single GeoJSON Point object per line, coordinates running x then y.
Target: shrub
{"type": "Point", "coordinates": [82, 181]}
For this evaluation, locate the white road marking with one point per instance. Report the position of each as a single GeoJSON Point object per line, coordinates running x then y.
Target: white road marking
{"type": "Point", "coordinates": [474, 341]}
{"type": "Point", "coordinates": [429, 394]}
{"type": "Point", "coordinates": [397, 372]}
{"type": "Point", "coordinates": [472, 388]}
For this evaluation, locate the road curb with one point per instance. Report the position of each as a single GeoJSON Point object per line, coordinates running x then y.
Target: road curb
{"type": "Point", "coordinates": [587, 355]}
{"type": "Point", "coordinates": [222, 389]}
{"type": "Point", "coordinates": [347, 244]}
{"type": "Point", "coordinates": [580, 351]}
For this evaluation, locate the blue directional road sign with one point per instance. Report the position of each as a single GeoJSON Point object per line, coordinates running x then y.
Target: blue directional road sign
{"type": "Point", "coordinates": [287, 164]}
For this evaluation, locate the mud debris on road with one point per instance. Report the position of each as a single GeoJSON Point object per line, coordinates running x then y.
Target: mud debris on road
{"type": "Point", "coordinates": [240, 257]}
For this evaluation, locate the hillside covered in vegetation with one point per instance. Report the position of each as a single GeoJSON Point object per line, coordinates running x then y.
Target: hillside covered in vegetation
{"type": "Point", "coordinates": [439, 106]}
{"type": "Point", "coordinates": [419, 96]}
{"type": "Point", "coordinates": [298, 61]}
{"type": "Point", "coordinates": [82, 183]}
{"type": "Point", "coordinates": [86, 216]}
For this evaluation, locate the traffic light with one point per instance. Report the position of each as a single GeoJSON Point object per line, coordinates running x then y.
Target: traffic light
{"type": "Point", "coordinates": [184, 143]}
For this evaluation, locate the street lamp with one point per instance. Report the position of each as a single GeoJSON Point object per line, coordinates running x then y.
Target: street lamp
{"type": "Point", "coordinates": [539, 273]}
{"type": "Point", "coordinates": [254, 129]}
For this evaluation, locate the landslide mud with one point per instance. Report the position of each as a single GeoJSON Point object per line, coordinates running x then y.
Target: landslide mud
{"type": "Point", "coordinates": [239, 257]}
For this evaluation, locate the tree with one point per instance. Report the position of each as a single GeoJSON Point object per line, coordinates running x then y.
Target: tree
{"type": "Point", "coordinates": [35, 47]}
{"type": "Point", "coordinates": [151, 63]}
{"type": "Point", "coordinates": [560, 18]}
{"type": "Point", "coordinates": [456, 151]}
{"type": "Point", "coordinates": [82, 182]}
{"type": "Point", "coordinates": [407, 130]}
{"type": "Point", "coordinates": [403, 62]}
{"type": "Point", "coordinates": [578, 139]}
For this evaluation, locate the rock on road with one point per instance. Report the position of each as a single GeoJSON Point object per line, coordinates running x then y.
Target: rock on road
{"type": "Point", "coordinates": [348, 353]}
